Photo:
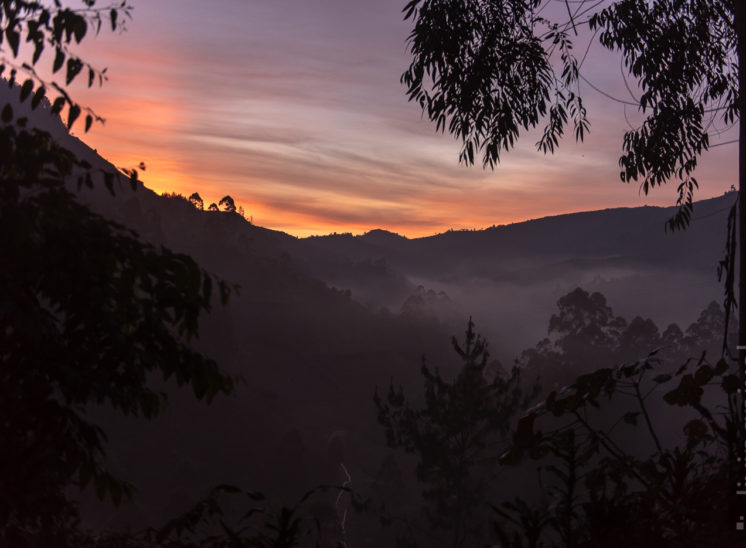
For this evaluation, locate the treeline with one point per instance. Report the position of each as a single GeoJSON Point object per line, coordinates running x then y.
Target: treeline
{"type": "Point", "coordinates": [226, 204]}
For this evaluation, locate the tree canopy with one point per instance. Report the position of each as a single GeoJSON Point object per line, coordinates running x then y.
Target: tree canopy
{"type": "Point", "coordinates": [196, 200]}
{"type": "Point", "coordinates": [228, 204]}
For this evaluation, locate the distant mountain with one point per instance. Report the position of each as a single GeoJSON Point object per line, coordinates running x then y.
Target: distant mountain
{"type": "Point", "coordinates": [611, 236]}
{"type": "Point", "coordinates": [514, 270]}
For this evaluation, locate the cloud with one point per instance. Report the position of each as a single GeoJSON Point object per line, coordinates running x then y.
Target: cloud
{"type": "Point", "coordinates": [294, 107]}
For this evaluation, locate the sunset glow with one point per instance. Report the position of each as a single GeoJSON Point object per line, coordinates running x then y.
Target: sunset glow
{"type": "Point", "coordinates": [295, 109]}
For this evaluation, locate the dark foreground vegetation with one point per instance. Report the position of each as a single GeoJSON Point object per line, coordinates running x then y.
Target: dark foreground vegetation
{"type": "Point", "coordinates": [630, 448]}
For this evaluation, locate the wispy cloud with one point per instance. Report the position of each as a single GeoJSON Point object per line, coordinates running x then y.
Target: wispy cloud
{"type": "Point", "coordinates": [294, 107]}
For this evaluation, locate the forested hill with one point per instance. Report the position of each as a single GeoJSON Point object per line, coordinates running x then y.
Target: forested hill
{"type": "Point", "coordinates": [611, 236]}
{"type": "Point", "coordinates": [520, 269]}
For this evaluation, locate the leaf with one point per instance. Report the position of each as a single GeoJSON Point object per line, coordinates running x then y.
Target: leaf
{"type": "Point", "coordinates": [72, 115]}
{"type": "Point", "coordinates": [560, 406]}
{"type": "Point", "coordinates": [660, 379]}
{"type": "Point", "coordinates": [57, 105]}
{"type": "Point", "coordinates": [38, 49]}
{"type": "Point", "coordinates": [79, 27]}
{"type": "Point", "coordinates": [59, 59]}
{"type": "Point", "coordinates": [38, 96]}
{"type": "Point", "coordinates": [703, 374]}
{"type": "Point", "coordinates": [721, 367]}
{"type": "Point", "coordinates": [13, 39]}
{"type": "Point", "coordinates": [524, 436]}
{"type": "Point", "coordinates": [74, 66]}
{"type": "Point", "coordinates": [7, 113]}
{"type": "Point", "coordinates": [88, 122]}
{"type": "Point", "coordinates": [688, 392]}
{"type": "Point", "coordinates": [590, 385]}
{"type": "Point", "coordinates": [26, 89]}
{"type": "Point", "coordinates": [731, 384]}
{"type": "Point", "coordinates": [113, 18]}
{"type": "Point", "coordinates": [628, 370]}
{"type": "Point", "coordinates": [695, 428]}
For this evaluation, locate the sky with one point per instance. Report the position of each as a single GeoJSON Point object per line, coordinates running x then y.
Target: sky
{"type": "Point", "coordinates": [295, 109]}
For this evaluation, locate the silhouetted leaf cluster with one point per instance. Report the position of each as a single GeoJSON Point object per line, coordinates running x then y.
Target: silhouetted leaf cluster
{"type": "Point", "coordinates": [54, 29]}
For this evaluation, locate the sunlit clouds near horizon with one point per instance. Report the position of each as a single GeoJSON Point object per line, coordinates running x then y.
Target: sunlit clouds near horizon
{"type": "Point", "coordinates": [295, 109]}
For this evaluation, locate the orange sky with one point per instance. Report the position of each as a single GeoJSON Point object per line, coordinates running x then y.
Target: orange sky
{"type": "Point", "coordinates": [295, 109]}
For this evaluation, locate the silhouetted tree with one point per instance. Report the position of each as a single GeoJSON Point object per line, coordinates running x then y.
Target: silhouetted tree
{"type": "Point", "coordinates": [228, 204]}
{"type": "Point", "coordinates": [455, 436]}
{"type": "Point", "coordinates": [212, 207]}
{"type": "Point", "coordinates": [582, 334]}
{"type": "Point", "coordinates": [585, 326]}
{"type": "Point", "coordinates": [196, 201]}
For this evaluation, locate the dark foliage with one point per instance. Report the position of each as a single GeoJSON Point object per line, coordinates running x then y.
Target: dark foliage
{"type": "Point", "coordinates": [196, 200]}
{"type": "Point", "coordinates": [228, 204]}
{"type": "Point", "coordinates": [486, 71]}
{"type": "Point", "coordinates": [456, 436]}
{"type": "Point", "coordinates": [483, 70]}
{"type": "Point", "coordinates": [608, 494]}
{"type": "Point", "coordinates": [88, 312]}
